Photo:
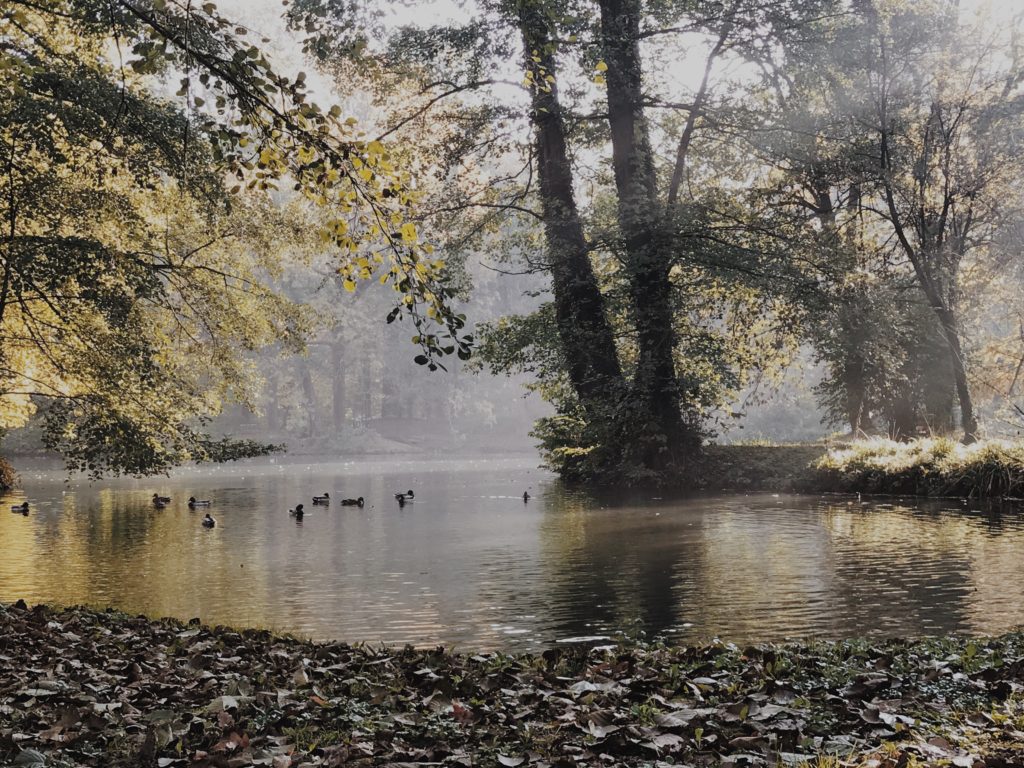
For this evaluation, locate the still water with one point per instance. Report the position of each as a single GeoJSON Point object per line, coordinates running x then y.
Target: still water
{"type": "Point", "coordinates": [470, 564]}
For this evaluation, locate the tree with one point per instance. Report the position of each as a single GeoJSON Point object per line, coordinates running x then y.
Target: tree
{"type": "Point", "coordinates": [899, 123]}
{"type": "Point", "coordinates": [944, 117]}
{"type": "Point", "coordinates": [132, 274]}
{"type": "Point", "coordinates": [641, 266]}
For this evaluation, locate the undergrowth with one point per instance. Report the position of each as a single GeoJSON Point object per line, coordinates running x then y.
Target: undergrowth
{"type": "Point", "coordinates": [936, 466]}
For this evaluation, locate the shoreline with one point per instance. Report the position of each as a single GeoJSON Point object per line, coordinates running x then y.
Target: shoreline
{"type": "Point", "coordinates": [101, 688]}
{"type": "Point", "coordinates": [924, 468]}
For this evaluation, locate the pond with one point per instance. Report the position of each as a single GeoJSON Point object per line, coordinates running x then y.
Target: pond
{"type": "Point", "coordinates": [470, 565]}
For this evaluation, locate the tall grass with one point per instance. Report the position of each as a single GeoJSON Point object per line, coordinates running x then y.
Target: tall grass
{"type": "Point", "coordinates": [935, 466]}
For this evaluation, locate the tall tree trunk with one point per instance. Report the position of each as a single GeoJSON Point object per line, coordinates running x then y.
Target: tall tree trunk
{"type": "Point", "coordinates": [655, 386]}
{"type": "Point", "coordinates": [853, 384]}
{"type": "Point", "coordinates": [968, 418]}
{"type": "Point", "coordinates": [584, 332]}
{"type": "Point", "coordinates": [929, 278]}
{"type": "Point", "coordinates": [338, 388]}
{"type": "Point", "coordinates": [312, 403]}
{"type": "Point", "coordinates": [366, 388]}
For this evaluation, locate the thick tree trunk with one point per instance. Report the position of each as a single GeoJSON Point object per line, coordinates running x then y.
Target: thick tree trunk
{"type": "Point", "coordinates": [584, 332]}
{"type": "Point", "coordinates": [853, 383]}
{"type": "Point", "coordinates": [655, 386]}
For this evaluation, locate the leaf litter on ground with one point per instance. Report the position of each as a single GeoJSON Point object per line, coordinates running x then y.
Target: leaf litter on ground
{"type": "Point", "coordinates": [80, 687]}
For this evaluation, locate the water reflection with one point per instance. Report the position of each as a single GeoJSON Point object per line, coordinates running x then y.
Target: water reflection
{"type": "Point", "coordinates": [469, 564]}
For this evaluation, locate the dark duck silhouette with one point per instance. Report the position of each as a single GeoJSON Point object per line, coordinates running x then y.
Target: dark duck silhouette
{"type": "Point", "coordinates": [297, 513]}
{"type": "Point", "coordinates": [193, 502]}
{"type": "Point", "coordinates": [405, 498]}
{"type": "Point", "coordinates": [160, 501]}
{"type": "Point", "coordinates": [325, 499]}
{"type": "Point", "coordinates": [526, 496]}
{"type": "Point", "coordinates": [352, 502]}
{"type": "Point", "coordinates": [20, 508]}
{"type": "Point", "coordinates": [209, 522]}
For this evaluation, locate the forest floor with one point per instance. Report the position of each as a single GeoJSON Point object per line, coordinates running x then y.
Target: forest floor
{"type": "Point", "coordinates": [80, 687]}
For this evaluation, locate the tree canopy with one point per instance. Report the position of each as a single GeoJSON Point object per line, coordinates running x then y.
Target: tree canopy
{"type": "Point", "coordinates": [705, 190]}
{"type": "Point", "coordinates": [142, 226]}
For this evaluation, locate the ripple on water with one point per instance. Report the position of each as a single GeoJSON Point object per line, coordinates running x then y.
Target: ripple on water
{"type": "Point", "coordinates": [472, 565]}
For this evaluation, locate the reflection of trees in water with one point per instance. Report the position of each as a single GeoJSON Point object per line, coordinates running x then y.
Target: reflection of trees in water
{"type": "Point", "coordinates": [479, 570]}
{"type": "Point", "coordinates": [759, 567]}
{"type": "Point", "coordinates": [608, 569]}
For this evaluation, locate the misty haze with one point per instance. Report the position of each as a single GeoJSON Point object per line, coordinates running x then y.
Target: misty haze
{"type": "Point", "coordinates": [511, 383]}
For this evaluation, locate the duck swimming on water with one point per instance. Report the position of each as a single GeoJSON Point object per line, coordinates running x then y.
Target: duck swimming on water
{"type": "Point", "coordinates": [160, 501]}
{"type": "Point", "coordinates": [526, 496]}
{"type": "Point", "coordinates": [208, 522]}
{"type": "Point", "coordinates": [297, 513]}
{"type": "Point", "coordinates": [352, 502]}
{"type": "Point", "coordinates": [405, 498]}
{"type": "Point", "coordinates": [325, 499]}
{"type": "Point", "coordinates": [193, 502]}
{"type": "Point", "coordinates": [22, 508]}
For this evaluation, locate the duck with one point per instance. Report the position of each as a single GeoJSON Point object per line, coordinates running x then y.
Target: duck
{"type": "Point", "coordinates": [526, 496]}
{"type": "Point", "coordinates": [161, 501]}
{"type": "Point", "coordinates": [297, 513]}
{"type": "Point", "coordinates": [402, 498]}
{"type": "Point", "coordinates": [209, 522]}
{"type": "Point", "coordinates": [325, 499]}
{"type": "Point", "coordinates": [193, 502]}
{"type": "Point", "coordinates": [352, 502]}
{"type": "Point", "coordinates": [22, 508]}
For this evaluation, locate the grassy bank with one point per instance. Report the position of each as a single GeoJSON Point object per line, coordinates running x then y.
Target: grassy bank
{"type": "Point", "coordinates": [80, 687]}
{"type": "Point", "coordinates": [926, 467]}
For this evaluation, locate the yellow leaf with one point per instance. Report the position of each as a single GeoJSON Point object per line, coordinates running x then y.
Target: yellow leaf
{"type": "Point", "coordinates": [349, 286]}
{"type": "Point", "coordinates": [409, 234]}
{"type": "Point", "coordinates": [601, 67]}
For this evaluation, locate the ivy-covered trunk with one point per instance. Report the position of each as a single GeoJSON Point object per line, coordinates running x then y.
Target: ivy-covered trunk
{"type": "Point", "coordinates": [584, 332]}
